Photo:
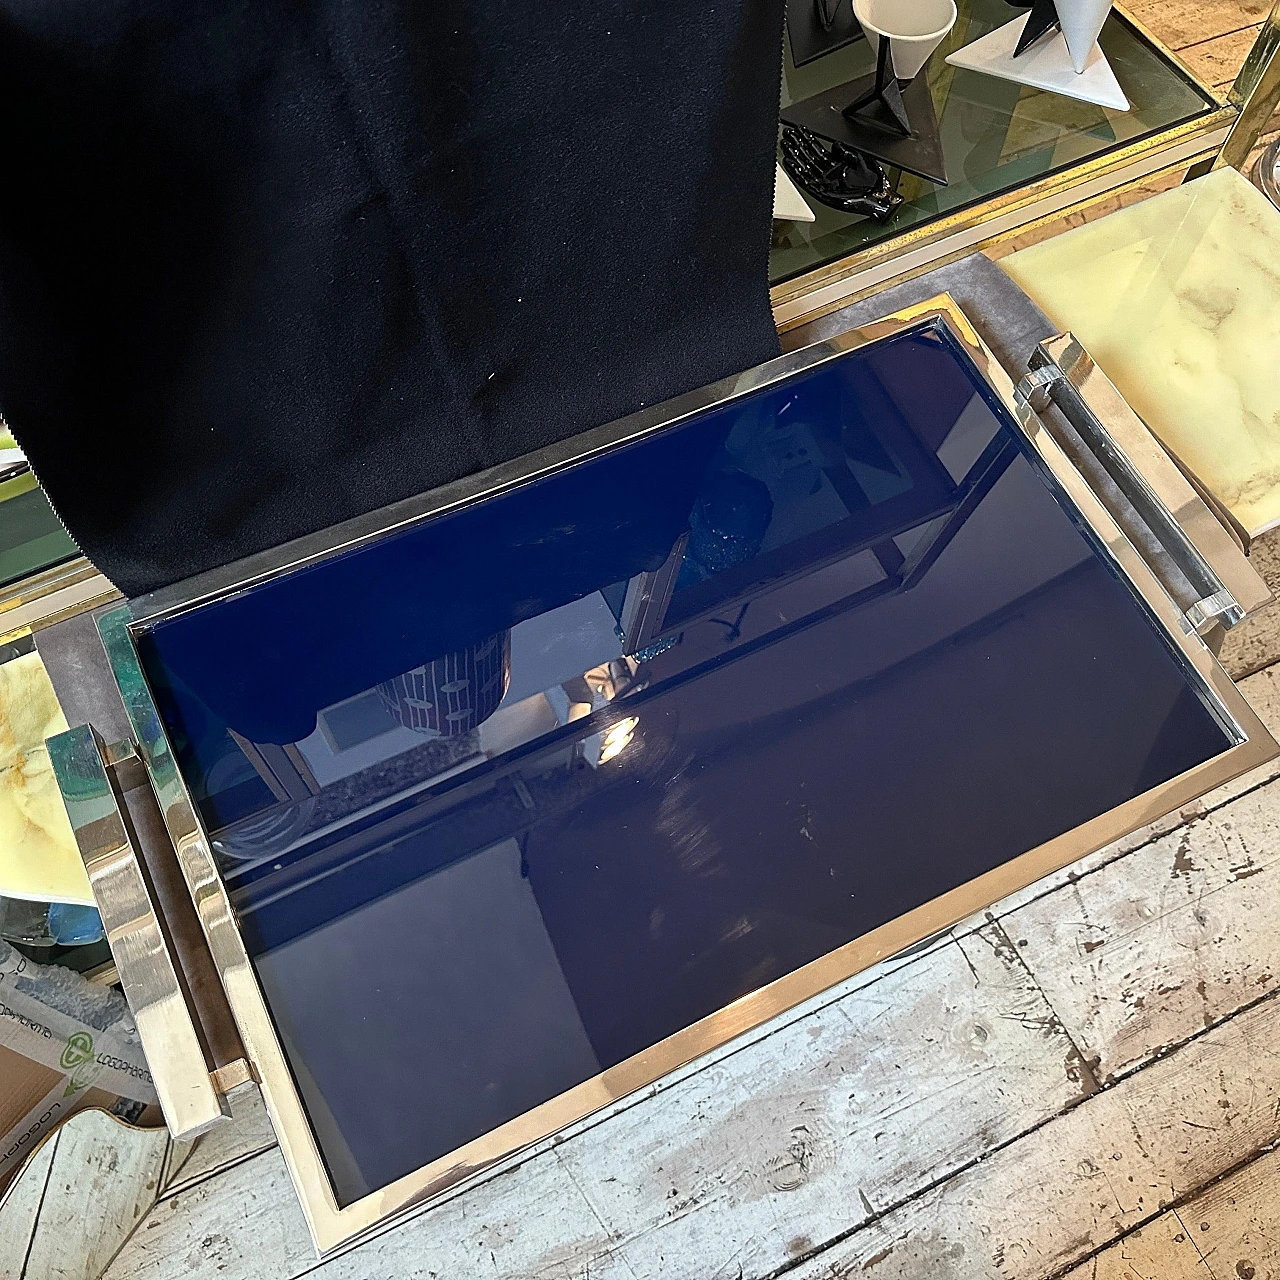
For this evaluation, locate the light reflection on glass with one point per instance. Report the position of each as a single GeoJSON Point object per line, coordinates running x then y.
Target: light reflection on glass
{"type": "Point", "coordinates": [615, 740]}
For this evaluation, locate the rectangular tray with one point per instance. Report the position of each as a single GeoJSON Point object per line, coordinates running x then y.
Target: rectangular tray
{"type": "Point", "coordinates": [500, 804]}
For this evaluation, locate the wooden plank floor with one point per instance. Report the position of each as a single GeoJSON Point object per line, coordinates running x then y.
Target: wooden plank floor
{"type": "Point", "coordinates": [1082, 1082]}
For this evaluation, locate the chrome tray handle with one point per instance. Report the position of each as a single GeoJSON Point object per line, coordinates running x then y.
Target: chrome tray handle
{"type": "Point", "coordinates": [1228, 588]}
{"type": "Point", "coordinates": [84, 768]}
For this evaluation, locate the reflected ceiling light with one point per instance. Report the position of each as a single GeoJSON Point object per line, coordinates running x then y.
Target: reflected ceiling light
{"type": "Point", "coordinates": [617, 738]}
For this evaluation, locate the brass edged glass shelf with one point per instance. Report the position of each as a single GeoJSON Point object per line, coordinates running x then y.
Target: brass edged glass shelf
{"type": "Point", "coordinates": [43, 576]}
{"type": "Point", "coordinates": [34, 540]}
{"type": "Point", "coordinates": [501, 803]}
{"type": "Point", "coordinates": [1014, 154]}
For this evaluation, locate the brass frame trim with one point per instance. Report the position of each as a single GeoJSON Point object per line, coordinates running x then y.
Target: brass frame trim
{"type": "Point", "coordinates": [232, 1076]}
{"type": "Point", "coordinates": [332, 1226]}
{"type": "Point", "coordinates": [54, 594]}
{"type": "Point", "coordinates": [930, 245]}
{"type": "Point", "coordinates": [1256, 93]}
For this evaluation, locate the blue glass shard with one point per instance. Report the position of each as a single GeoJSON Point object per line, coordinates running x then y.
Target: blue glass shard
{"type": "Point", "coordinates": [507, 798]}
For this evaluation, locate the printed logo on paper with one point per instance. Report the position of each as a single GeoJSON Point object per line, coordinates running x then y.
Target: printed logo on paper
{"type": "Point", "coordinates": [79, 1050]}
{"type": "Point", "coordinates": [78, 1059]}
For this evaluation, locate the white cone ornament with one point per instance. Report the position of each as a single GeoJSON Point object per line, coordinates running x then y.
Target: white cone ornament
{"type": "Point", "coordinates": [1070, 63]}
{"type": "Point", "coordinates": [1081, 22]}
{"type": "Point", "coordinates": [915, 28]}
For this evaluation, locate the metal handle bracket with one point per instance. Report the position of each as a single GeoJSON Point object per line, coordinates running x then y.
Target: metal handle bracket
{"type": "Point", "coordinates": [85, 771]}
{"type": "Point", "coordinates": [1206, 554]}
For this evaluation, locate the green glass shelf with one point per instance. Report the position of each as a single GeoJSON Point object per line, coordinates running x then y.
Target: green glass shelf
{"type": "Point", "coordinates": [32, 539]}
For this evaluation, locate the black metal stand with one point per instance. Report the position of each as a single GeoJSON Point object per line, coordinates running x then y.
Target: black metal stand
{"type": "Point", "coordinates": [818, 27]}
{"type": "Point", "coordinates": [882, 104]}
{"type": "Point", "coordinates": [895, 124]}
{"type": "Point", "coordinates": [1042, 19]}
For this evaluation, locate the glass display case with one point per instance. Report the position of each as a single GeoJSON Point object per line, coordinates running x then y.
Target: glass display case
{"type": "Point", "coordinates": [1014, 154]}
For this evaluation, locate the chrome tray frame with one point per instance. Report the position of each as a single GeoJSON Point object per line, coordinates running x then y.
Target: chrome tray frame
{"type": "Point", "coordinates": [332, 1225]}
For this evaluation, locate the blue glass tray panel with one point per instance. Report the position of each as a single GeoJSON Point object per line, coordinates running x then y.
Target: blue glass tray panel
{"type": "Point", "coordinates": [504, 799]}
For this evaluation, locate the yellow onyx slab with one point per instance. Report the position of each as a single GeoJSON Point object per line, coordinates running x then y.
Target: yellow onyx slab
{"type": "Point", "coordinates": [38, 855]}
{"type": "Point", "coordinates": [1178, 301]}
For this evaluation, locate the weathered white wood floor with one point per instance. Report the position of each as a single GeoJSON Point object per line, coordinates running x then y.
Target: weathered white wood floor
{"type": "Point", "coordinates": [1084, 1081]}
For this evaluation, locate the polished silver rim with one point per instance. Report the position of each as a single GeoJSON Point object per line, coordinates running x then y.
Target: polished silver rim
{"type": "Point", "coordinates": [1266, 173]}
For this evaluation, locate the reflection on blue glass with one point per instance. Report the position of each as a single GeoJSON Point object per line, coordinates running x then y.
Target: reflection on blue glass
{"type": "Point", "coordinates": [509, 797]}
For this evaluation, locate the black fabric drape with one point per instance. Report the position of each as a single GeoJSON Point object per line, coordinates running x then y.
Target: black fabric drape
{"type": "Point", "coordinates": [267, 265]}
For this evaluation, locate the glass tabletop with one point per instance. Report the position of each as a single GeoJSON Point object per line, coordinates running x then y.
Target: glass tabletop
{"type": "Point", "coordinates": [32, 538]}
{"type": "Point", "coordinates": [996, 135]}
{"type": "Point", "coordinates": [508, 797]}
